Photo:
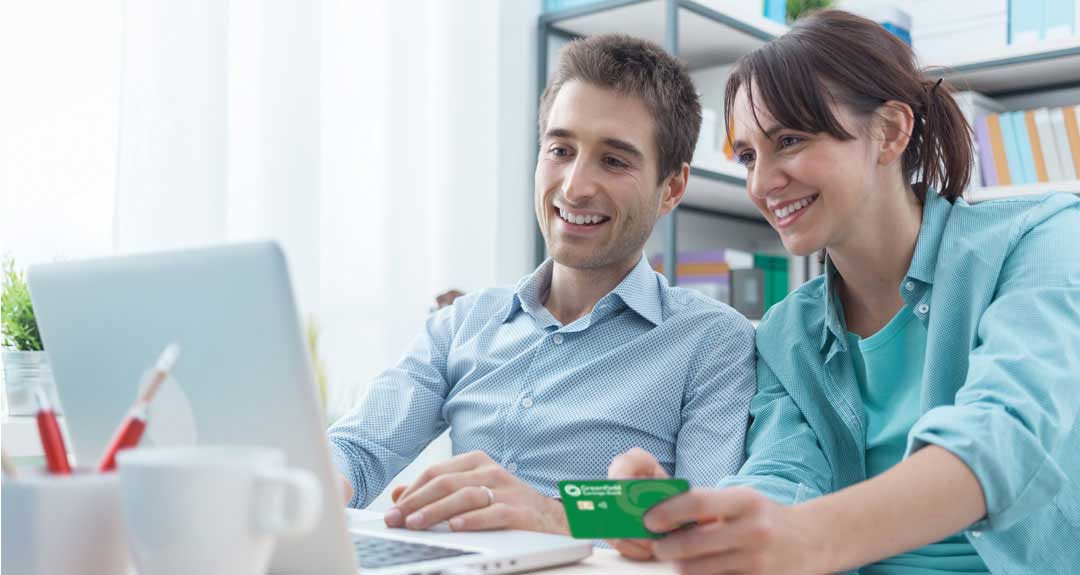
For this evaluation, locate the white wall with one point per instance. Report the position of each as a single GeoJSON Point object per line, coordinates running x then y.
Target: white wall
{"type": "Point", "coordinates": [60, 68]}
{"type": "Point", "coordinates": [387, 144]}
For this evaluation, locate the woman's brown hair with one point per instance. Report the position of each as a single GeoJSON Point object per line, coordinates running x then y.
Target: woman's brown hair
{"type": "Point", "coordinates": [833, 57]}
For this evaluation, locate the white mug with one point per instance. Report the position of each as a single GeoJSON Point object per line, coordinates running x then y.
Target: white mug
{"type": "Point", "coordinates": [63, 524]}
{"type": "Point", "coordinates": [212, 509]}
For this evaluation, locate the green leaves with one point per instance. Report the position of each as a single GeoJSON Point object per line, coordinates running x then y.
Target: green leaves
{"type": "Point", "coordinates": [796, 8]}
{"type": "Point", "coordinates": [17, 323]}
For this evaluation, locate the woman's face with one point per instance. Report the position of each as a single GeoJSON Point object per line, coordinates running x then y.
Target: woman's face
{"type": "Point", "coordinates": [813, 189]}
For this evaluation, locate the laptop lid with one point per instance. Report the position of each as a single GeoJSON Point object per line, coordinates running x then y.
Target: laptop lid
{"type": "Point", "coordinates": [244, 368]}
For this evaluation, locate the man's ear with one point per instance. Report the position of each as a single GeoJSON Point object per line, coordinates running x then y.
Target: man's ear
{"type": "Point", "coordinates": [895, 123]}
{"type": "Point", "coordinates": [674, 189]}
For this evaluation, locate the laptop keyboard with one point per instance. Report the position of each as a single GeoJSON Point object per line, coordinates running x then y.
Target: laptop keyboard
{"type": "Point", "coordinates": [375, 552]}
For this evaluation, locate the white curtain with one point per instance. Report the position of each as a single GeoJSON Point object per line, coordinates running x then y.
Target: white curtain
{"type": "Point", "coordinates": [385, 143]}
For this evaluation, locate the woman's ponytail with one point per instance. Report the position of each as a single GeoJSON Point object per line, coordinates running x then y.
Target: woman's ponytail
{"type": "Point", "coordinates": [940, 152]}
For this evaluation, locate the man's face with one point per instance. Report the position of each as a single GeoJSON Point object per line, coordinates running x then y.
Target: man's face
{"type": "Point", "coordinates": [597, 196]}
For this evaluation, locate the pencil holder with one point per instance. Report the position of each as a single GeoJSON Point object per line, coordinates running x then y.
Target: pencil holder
{"type": "Point", "coordinates": [63, 524]}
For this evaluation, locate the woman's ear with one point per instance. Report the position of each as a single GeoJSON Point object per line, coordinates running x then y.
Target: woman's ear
{"type": "Point", "coordinates": [895, 123]}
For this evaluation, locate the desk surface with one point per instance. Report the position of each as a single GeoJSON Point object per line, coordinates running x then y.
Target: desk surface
{"type": "Point", "coordinates": [607, 562]}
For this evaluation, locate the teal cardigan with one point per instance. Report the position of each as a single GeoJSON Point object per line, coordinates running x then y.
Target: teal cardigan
{"type": "Point", "coordinates": [997, 286]}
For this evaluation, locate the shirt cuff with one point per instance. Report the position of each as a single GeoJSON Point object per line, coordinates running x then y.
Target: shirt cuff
{"type": "Point", "coordinates": [779, 490]}
{"type": "Point", "coordinates": [341, 462]}
{"type": "Point", "coordinates": [1017, 475]}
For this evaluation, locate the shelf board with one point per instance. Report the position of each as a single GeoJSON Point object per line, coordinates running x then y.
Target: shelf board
{"type": "Point", "coordinates": [1017, 68]}
{"type": "Point", "coordinates": [1000, 192]}
{"type": "Point", "coordinates": [709, 35]}
{"type": "Point", "coordinates": [721, 189]}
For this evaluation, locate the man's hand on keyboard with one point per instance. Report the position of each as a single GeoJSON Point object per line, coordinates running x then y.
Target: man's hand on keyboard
{"type": "Point", "coordinates": [474, 493]}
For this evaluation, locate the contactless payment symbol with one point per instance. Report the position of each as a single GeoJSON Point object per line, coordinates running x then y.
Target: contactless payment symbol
{"type": "Point", "coordinates": [572, 490]}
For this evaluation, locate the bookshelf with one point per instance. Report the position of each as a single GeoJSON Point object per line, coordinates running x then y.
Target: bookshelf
{"type": "Point", "coordinates": [1026, 72]}
{"type": "Point", "coordinates": [704, 34]}
{"type": "Point", "coordinates": [1018, 68]}
{"type": "Point", "coordinates": [1018, 191]}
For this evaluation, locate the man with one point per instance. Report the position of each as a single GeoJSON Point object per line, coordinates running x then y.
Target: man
{"type": "Point", "coordinates": [591, 354]}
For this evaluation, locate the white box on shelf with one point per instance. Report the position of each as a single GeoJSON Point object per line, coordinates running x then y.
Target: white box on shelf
{"type": "Point", "coordinates": [932, 14]}
{"type": "Point", "coordinates": [962, 40]}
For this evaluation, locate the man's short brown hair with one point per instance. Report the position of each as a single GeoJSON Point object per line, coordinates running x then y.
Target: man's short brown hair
{"type": "Point", "coordinates": [636, 67]}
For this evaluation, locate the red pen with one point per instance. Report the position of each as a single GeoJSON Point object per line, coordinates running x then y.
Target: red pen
{"type": "Point", "coordinates": [131, 429]}
{"type": "Point", "coordinates": [52, 441]}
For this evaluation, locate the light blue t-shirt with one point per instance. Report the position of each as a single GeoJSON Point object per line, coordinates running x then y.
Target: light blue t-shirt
{"type": "Point", "coordinates": [888, 367]}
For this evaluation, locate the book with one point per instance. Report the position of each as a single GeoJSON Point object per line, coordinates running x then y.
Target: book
{"type": "Point", "coordinates": [1026, 21]}
{"type": "Point", "coordinates": [976, 107]}
{"type": "Point", "coordinates": [1049, 148]}
{"type": "Point", "coordinates": [1023, 148]}
{"type": "Point", "coordinates": [987, 170]}
{"type": "Point", "coordinates": [1061, 142]}
{"type": "Point", "coordinates": [1058, 18]}
{"type": "Point", "coordinates": [1071, 116]}
{"type": "Point", "coordinates": [1035, 144]}
{"type": "Point", "coordinates": [776, 10]}
{"type": "Point", "coordinates": [1012, 149]}
{"type": "Point", "coordinates": [997, 148]}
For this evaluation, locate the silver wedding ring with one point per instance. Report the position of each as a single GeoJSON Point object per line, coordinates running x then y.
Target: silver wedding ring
{"type": "Point", "coordinates": [490, 494]}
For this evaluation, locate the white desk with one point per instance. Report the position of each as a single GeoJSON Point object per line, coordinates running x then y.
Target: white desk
{"type": "Point", "coordinates": [609, 562]}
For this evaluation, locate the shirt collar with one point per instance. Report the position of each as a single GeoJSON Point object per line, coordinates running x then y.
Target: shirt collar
{"type": "Point", "coordinates": [834, 312]}
{"type": "Point", "coordinates": [936, 210]}
{"type": "Point", "coordinates": [639, 290]}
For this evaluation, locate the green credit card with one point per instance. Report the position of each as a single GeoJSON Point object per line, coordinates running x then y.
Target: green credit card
{"type": "Point", "coordinates": [615, 508]}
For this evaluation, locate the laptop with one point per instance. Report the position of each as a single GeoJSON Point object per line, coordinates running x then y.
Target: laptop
{"type": "Point", "coordinates": [246, 373]}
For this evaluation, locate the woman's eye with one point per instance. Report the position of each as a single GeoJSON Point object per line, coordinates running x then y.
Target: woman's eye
{"type": "Point", "coordinates": [788, 141]}
{"type": "Point", "coordinates": [745, 158]}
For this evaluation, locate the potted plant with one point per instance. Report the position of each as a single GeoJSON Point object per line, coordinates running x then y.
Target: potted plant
{"type": "Point", "coordinates": [25, 362]}
{"type": "Point", "coordinates": [316, 359]}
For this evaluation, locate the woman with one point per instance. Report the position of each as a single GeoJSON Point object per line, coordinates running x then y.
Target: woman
{"type": "Point", "coordinates": [917, 405]}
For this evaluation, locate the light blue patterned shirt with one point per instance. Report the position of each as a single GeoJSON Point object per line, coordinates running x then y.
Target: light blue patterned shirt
{"type": "Point", "coordinates": [652, 366]}
{"type": "Point", "coordinates": [997, 287]}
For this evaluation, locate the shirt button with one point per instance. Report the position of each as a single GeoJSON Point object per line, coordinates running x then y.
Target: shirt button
{"type": "Point", "coordinates": [557, 338]}
{"type": "Point", "coordinates": [976, 534]}
{"type": "Point", "coordinates": [922, 309]}
{"type": "Point", "coordinates": [511, 467]}
{"type": "Point", "coordinates": [527, 402]}
{"type": "Point", "coordinates": [909, 286]}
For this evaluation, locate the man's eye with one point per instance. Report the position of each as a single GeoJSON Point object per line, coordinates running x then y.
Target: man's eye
{"type": "Point", "coordinates": [559, 151]}
{"type": "Point", "coordinates": [615, 162]}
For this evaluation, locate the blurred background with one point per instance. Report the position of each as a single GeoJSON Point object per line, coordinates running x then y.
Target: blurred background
{"type": "Point", "coordinates": [389, 145]}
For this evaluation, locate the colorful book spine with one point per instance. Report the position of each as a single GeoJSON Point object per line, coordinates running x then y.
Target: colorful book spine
{"type": "Point", "coordinates": [1026, 21]}
{"type": "Point", "coordinates": [1071, 117]}
{"type": "Point", "coordinates": [1058, 18]}
{"type": "Point", "coordinates": [1012, 149]}
{"type": "Point", "coordinates": [1042, 174]}
{"type": "Point", "coordinates": [776, 10]}
{"type": "Point", "coordinates": [1054, 171]}
{"type": "Point", "coordinates": [997, 147]}
{"type": "Point", "coordinates": [1023, 146]}
{"type": "Point", "coordinates": [986, 153]}
{"type": "Point", "coordinates": [1061, 142]}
